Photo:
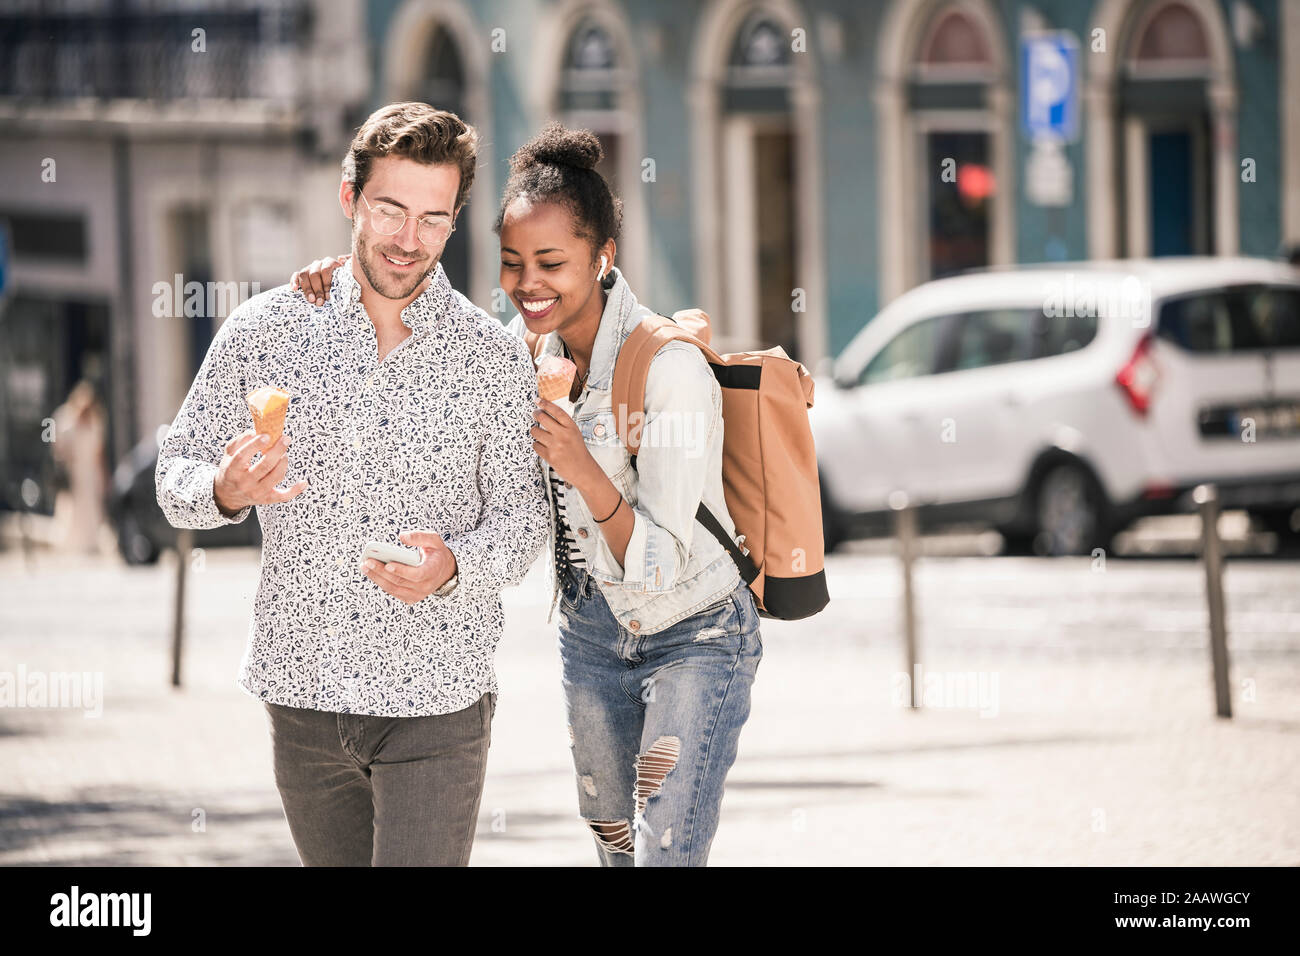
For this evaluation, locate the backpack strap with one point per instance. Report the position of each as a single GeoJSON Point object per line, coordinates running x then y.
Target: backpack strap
{"type": "Point", "coordinates": [627, 393]}
{"type": "Point", "coordinates": [632, 369]}
{"type": "Point", "coordinates": [744, 563]}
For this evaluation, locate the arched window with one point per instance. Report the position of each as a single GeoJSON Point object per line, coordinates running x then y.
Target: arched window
{"type": "Point", "coordinates": [441, 83]}
{"type": "Point", "coordinates": [955, 43]}
{"type": "Point", "coordinates": [590, 60]}
{"type": "Point", "coordinates": [442, 80]}
{"type": "Point", "coordinates": [946, 116]}
{"type": "Point", "coordinates": [759, 68]}
{"type": "Point", "coordinates": [591, 93]}
{"type": "Point", "coordinates": [432, 51]}
{"type": "Point", "coordinates": [1173, 36]}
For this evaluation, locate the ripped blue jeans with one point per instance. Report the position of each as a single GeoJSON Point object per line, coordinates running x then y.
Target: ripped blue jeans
{"type": "Point", "coordinates": [654, 721]}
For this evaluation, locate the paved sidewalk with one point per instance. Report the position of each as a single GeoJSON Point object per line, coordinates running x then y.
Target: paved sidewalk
{"type": "Point", "coordinates": [1098, 745]}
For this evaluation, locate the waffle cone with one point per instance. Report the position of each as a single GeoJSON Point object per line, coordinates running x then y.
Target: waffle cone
{"type": "Point", "coordinates": [268, 406]}
{"type": "Point", "coordinates": [555, 378]}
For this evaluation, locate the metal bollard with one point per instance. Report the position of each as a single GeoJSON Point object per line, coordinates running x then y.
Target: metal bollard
{"type": "Point", "coordinates": [1207, 499]}
{"type": "Point", "coordinates": [184, 545]}
{"type": "Point", "coordinates": [905, 528]}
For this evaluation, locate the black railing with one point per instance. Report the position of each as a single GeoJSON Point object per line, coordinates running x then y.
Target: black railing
{"type": "Point", "coordinates": [146, 55]}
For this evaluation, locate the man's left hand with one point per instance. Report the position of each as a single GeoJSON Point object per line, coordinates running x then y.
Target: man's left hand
{"type": "Point", "coordinates": [413, 583]}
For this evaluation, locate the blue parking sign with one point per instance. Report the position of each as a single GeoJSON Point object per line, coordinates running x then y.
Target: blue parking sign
{"type": "Point", "coordinates": [1049, 85]}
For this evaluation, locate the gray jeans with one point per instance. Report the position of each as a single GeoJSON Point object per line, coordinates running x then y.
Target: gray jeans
{"type": "Point", "coordinates": [361, 790]}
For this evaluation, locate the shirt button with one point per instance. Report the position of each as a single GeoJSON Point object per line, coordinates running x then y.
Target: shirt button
{"type": "Point", "coordinates": [347, 502]}
{"type": "Point", "coordinates": [582, 532]}
{"type": "Point", "coordinates": [634, 625]}
{"type": "Point", "coordinates": [356, 444]}
{"type": "Point", "coordinates": [598, 431]}
{"type": "Point", "coordinates": [330, 631]}
{"type": "Point", "coordinates": [338, 562]}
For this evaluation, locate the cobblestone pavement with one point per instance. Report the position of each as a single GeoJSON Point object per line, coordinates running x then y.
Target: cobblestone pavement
{"type": "Point", "coordinates": [1094, 741]}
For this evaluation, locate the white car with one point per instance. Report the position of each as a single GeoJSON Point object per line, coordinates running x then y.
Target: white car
{"type": "Point", "coordinates": [1057, 404]}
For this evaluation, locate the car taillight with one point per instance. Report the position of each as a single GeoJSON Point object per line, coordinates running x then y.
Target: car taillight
{"type": "Point", "coordinates": [1137, 379]}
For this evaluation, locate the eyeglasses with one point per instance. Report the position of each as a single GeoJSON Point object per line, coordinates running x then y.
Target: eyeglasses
{"type": "Point", "coordinates": [389, 220]}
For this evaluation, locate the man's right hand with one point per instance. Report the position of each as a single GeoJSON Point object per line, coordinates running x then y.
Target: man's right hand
{"type": "Point", "coordinates": [314, 280]}
{"type": "Point", "coordinates": [239, 483]}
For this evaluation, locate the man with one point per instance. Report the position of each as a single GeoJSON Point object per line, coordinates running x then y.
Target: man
{"type": "Point", "coordinates": [408, 422]}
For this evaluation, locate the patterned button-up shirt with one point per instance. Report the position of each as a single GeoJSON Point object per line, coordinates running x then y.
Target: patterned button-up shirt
{"type": "Point", "coordinates": [434, 437]}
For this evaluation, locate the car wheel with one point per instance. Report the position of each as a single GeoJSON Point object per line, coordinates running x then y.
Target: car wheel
{"type": "Point", "coordinates": [832, 521]}
{"type": "Point", "coordinates": [1070, 512]}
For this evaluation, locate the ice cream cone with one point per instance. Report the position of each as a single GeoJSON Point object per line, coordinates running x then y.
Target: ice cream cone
{"type": "Point", "coordinates": [267, 406]}
{"type": "Point", "coordinates": [555, 378]}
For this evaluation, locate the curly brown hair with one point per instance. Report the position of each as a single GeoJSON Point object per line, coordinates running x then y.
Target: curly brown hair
{"type": "Point", "coordinates": [415, 131]}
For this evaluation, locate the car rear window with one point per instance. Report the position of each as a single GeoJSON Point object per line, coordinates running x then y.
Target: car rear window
{"type": "Point", "coordinates": [1239, 319]}
{"type": "Point", "coordinates": [1058, 334]}
{"type": "Point", "coordinates": [994, 337]}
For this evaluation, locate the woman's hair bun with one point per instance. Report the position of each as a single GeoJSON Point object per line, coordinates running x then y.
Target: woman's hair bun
{"type": "Point", "coordinates": [557, 146]}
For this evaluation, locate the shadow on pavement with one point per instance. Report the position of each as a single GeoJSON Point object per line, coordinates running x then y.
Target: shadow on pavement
{"type": "Point", "coordinates": [133, 828]}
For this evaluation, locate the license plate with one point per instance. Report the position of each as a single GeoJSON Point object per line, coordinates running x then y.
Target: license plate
{"type": "Point", "coordinates": [1280, 419]}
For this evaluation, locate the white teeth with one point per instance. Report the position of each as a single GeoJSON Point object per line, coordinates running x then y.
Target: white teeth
{"type": "Point", "coordinates": [541, 306]}
{"type": "Point", "coordinates": [399, 262]}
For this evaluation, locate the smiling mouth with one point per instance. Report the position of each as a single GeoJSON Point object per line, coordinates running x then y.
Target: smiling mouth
{"type": "Point", "coordinates": [398, 263]}
{"type": "Point", "coordinates": [538, 306]}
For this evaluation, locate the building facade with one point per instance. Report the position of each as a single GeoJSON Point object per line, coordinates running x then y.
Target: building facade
{"type": "Point", "coordinates": [788, 165]}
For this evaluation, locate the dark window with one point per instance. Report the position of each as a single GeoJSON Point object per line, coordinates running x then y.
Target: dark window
{"type": "Point", "coordinates": [47, 235]}
{"type": "Point", "coordinates": [994, 337]}
{"type": "Point", "coordinates": [1233, 320]}
{"type": "Point", "coordinates": [909, 354]}
{"type": "Point", "coordinates": [1058, 334]}
{"type": "Point", "coordinates": [961, 194]}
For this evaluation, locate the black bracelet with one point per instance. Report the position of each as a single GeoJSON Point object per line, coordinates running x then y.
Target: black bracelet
{"type": "Point", "coordinates": [612, 513]}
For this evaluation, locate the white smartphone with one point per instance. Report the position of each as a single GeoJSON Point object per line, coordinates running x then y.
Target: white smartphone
{"type": "Point", "coordinates": [384, 552]}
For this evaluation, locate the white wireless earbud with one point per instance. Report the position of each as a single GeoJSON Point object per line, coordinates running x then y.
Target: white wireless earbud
{"type": "Point", "coordinates": [600, 273]}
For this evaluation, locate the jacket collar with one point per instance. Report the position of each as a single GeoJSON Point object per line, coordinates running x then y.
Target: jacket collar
{"type": "Point", "coordinates": [425, 310]}
{"type": "Point", "coordinates": [622, 314]}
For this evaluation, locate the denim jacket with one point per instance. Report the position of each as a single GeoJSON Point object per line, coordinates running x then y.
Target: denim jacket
{"type": "Point", "coordinates": [673, 566]}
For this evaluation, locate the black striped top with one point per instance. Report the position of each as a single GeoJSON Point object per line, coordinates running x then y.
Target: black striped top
{"type": "Point", "coordinates": [567, 554]}
{"type": "Point", "coordinates": [566, 549]}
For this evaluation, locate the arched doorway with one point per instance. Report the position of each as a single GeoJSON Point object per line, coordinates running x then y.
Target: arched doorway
{"type": "Point", "coordinates": [758, 195]}
{"type": "Point", "coordinates": [1164, 102]}
{"type": "Point", "coordinates": [591, 83]}
{"type": "Point", "coordinates": [434, 54]}
{"type": "Point", "coordinates": [442, 84]}
{"type": "Point", "coordinates": [758, 217]}
{"type": "Point", "coordinates": [944, 107]}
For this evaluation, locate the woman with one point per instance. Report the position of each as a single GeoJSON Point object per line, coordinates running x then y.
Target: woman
{"type": "Point", "coordinates": [659, 636]}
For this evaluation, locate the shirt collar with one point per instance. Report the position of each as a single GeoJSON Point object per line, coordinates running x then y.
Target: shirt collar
{"type": "Point", "coordinates": [619, 306]}
{"type": "Point", "coordinates": [425, 310]}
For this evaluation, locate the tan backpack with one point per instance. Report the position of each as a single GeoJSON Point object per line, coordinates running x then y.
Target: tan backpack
{"type": "Point", "coordinates": [769, 465]}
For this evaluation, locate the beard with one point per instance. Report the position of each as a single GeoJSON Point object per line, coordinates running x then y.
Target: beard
{"type": "Point", "coordinates": [380, 275]}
